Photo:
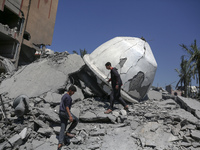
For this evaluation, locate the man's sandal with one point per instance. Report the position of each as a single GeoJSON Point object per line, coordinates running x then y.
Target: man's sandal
{"type": "Point", "coordinates": [108, 111]}
{"type": "Point", "coordinates": [70, 135]}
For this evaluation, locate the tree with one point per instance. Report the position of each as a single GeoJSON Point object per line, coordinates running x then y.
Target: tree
{"type": "Point", "coordinates": [184, 74]}
{"type": "Point", "coordinates": [194, 60]}
{"type": "Point", "coordinates": [83, 52]}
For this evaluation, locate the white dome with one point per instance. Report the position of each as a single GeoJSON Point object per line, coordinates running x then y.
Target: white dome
{"type": "Point", "coordinates": [132, 57]}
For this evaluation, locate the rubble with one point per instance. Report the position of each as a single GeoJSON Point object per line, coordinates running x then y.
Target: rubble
{"type": "Point", "coordinates": [161, 121]}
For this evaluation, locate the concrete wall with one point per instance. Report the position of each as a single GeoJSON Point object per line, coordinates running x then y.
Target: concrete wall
{"type": "Point", "coordinates": [41, 20]}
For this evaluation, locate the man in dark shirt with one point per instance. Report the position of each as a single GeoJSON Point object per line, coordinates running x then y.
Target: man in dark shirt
{"type": "Point", "coordinates": [65, 115]}
{"type": "Point", "coordinates": [116, 87]}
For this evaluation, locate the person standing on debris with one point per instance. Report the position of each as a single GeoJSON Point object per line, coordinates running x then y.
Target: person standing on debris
{"type": "Point", "coordinates": [116, 87]}
{"type": "Point", "coordinates": [65, 115]}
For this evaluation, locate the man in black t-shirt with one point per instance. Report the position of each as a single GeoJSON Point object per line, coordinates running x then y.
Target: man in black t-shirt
{"type": "Point", "coordinates": [65, 115]}
{"type": "Point", "coordinates": [116, 87]}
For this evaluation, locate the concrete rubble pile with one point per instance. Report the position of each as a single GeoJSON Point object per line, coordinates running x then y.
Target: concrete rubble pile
{"type": "Point", "coordinates": [161, 121]}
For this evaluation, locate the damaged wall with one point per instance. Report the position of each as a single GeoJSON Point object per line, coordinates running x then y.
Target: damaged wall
{"type": "Point", "coordinates": [25, 26]}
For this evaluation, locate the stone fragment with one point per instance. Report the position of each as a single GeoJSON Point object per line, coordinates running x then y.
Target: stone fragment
{"type": "Point", "coordinates": [56, 130]}
{"type": "Point", "coordinates": [154, 95]}
{"type": "Point", "coordinates": [88, 117]}
{"type": "Point", "coordinates": [77, 140]}
{"type": "Point", "coordinates": [41, 123]}
{"type": "Point", "coordinates": [53, 98]}
{"type": "Point", "coordinates": [15, 140]}
{"type": "Point", "coordinates": [127, 52]}
{"type": "Point", "coordinates": [53, 139]}
{"type": "Point", "coordinates": [151, 134]}
{"type": "Point", "coordinates": [197, 112]}
{"type": "Point", "coordinates": [134, 124]}
{"type": "Point", "coordinates": [123, 112]}
{"type": "Point", "coordinates": [23, 133]}
{"type": "Point", "coordinates": [115, 113]}
{"type": "Point", "coordinates": [49, 114]}
{"type": "Point", "coordinates": [168, 104]}
{"type": "Point", "coordinates": [98, 132]}
{"type": "Point", "coordinates": [196, 135]}
{"type": "Point", "coordinates": [78, 95]}
{"type": "Point", "coordinates": [94, 146]}
{"type": "Point", "coordinates": [191, 105]}
{"type": "Point", "coordinates": [181, 113]}
{"type": "Point", "coordinates": [75, 111]}
{"type": "Point", "coordinates": [45, 131]}
{"type": "Point", "coordinates": [119, 139]}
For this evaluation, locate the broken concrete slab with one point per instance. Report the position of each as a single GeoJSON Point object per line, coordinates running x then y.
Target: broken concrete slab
{"type": "Point", "coordinates": [184, 115]}
{"type": "Point", "coordinates": [45, 131]}
{"type": "Point", "coordinates": [152, 132]}
{"type": "Point", "coordinates": [53, 98]}
{"type": "Point", "coordinates": [49, 114]}
{"type": "Point", "coordinates": [154, 95]}
{"type": "Point", "coordinates": [196, 135]}
{"type": "Point", "coordinates": [168, 104]}
{"type": "Point", "coordinates": [190, 105]}
{"type": "Point", "coordinates": [42, 76]}
{"type": "Point", "coordinates": [119, 138]}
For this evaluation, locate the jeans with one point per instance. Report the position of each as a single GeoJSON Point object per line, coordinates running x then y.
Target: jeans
{"type": "Point", "coordinates": [115, 95]}
{"type": "Point", "coordinates": [64, 119]}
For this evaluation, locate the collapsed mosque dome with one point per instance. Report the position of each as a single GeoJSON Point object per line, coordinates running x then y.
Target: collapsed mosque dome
{"type": "Point", "coordinates": [135, 63]}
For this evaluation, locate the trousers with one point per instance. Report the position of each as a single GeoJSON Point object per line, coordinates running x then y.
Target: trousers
{"type": "Point", "coordinates": [64, 121]}
{"type": "Point", "coordinates": [116, 96]}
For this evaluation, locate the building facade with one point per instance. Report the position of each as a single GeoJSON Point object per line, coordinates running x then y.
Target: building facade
{"type": "Point", "coordinates": [25, 27]}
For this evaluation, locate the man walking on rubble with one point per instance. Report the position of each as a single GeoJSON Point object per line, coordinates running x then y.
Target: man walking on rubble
{"type": "Point", "coordinates": [65, 115]}
{"type": "Point", "coordinates": [116, 87]}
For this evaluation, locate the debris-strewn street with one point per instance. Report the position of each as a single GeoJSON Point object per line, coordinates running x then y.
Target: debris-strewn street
{"type": "Point", "coordinates": [160, 121]}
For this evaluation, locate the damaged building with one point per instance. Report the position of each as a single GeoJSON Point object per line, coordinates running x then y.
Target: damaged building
{"type": "Point", "coordinates": [24, 30]}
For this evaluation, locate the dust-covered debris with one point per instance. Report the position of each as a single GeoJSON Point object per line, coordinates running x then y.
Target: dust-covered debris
{"type": "Point", "coordinates": [159, 122]}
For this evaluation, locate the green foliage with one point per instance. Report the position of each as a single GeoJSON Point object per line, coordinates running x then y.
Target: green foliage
{"type": "Point", "coordinates": [83, 52]}
{"type": "Point", "coordinates": [190, 68]}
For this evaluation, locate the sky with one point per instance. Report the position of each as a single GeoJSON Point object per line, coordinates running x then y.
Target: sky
{"type": "Point", "coordinates": [165, 24]}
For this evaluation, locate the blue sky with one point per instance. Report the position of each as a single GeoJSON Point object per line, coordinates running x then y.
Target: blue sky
{"type": "Point", "coordinates": [86, 24]}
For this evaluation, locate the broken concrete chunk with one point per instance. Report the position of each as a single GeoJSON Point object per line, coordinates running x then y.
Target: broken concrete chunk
{"type": "Point", "coordinates": [75, 111]}
{"type": "Point", "coordinates": [49, 114]}
{"type": "Point", "coordinates": [88, 117]}
{"type": "Point", "coordinates": [45, 131]}
{"type": "Point", "coordinates": [184, 115]}
{"type": "Point", "coordinates": [78, 95]}
{"type": "Point", "coordinates": [190, 105]}
{"type": "Point", "coordinates": [53, 98]}
{"type": "Point", "coordinates": [151, 133]}
{"type": "Point", "coordinates": [154, 95]}
{"type": "Point", "coordinates": [23, 133]}
{"type": "Point", "coordinates": [41, 123]}
{"type": "Point", "coordinates": [15, 140]}
{"type": "Point", "coordinates": [196, 135]}
{"type": "Point", "coordinates": [98, 132]}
